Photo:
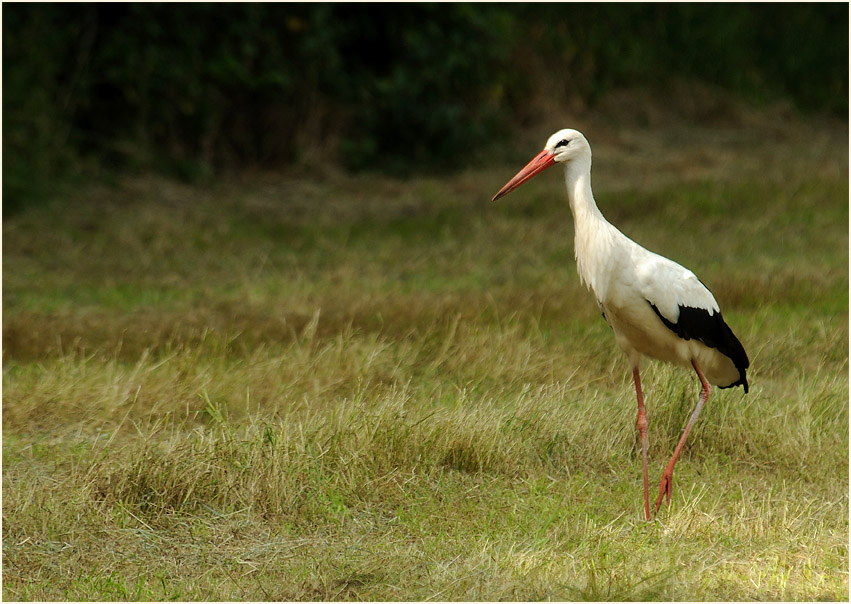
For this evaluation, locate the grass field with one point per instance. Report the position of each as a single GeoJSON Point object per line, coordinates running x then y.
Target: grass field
{"type": "Point", "coordinates": [359, 388]}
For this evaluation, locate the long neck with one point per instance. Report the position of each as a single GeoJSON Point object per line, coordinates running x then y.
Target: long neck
{"type": "Point", "coordinates": [577, 176]}
{"type": "Point", "coordinates": [593, 233]}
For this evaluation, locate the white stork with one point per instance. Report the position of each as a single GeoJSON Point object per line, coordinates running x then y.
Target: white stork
{"type": "Point", "coordinates": [654, 306]}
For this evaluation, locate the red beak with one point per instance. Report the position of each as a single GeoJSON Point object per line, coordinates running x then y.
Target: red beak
{"type": "Point", "coordinates": [541, 162]}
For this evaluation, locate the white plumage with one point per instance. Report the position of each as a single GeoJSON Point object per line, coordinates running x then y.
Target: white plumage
{"type": "Point", "coordinates": [655, 307]}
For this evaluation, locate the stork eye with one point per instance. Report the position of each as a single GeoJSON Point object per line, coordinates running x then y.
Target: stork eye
{"type": "Point", "coordinates": [562, 143]}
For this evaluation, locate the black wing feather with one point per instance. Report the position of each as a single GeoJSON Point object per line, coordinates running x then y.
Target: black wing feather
{"type": "Point", "coordinates": [710, 328]}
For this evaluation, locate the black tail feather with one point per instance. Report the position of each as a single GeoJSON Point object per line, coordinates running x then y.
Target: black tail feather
{"type": "Point", "coordinates": [711, 329]}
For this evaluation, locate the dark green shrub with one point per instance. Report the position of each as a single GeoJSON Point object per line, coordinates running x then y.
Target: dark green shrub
{"type": "Point", "coordinates": [191, 89]}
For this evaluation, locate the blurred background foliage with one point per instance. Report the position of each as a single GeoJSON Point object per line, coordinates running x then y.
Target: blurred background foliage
{"type": "Point", "coordinates": [191, 90]}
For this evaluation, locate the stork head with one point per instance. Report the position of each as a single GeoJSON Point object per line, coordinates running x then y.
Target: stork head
{"type": "Point", "coordinates": [563, 146]}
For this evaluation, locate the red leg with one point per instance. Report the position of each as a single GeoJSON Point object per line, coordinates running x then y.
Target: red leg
{"type": "Point", "coordinates": [666, 484]}
{"type": "Point", "coordinates": [642, 430]}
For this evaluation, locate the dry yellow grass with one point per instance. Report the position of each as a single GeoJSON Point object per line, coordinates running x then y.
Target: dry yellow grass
{"type": "Point", "coordinates": [359, 388]}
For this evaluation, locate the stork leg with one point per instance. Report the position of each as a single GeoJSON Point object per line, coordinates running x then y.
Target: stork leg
{"type": "Point", "coordinates": [666, 484]}
{"type": "Point", "coordinates": [642, 430]}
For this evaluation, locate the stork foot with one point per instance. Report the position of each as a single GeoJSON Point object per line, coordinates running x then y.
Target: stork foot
{"type": "Point", "coordinates": [666, 485]}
